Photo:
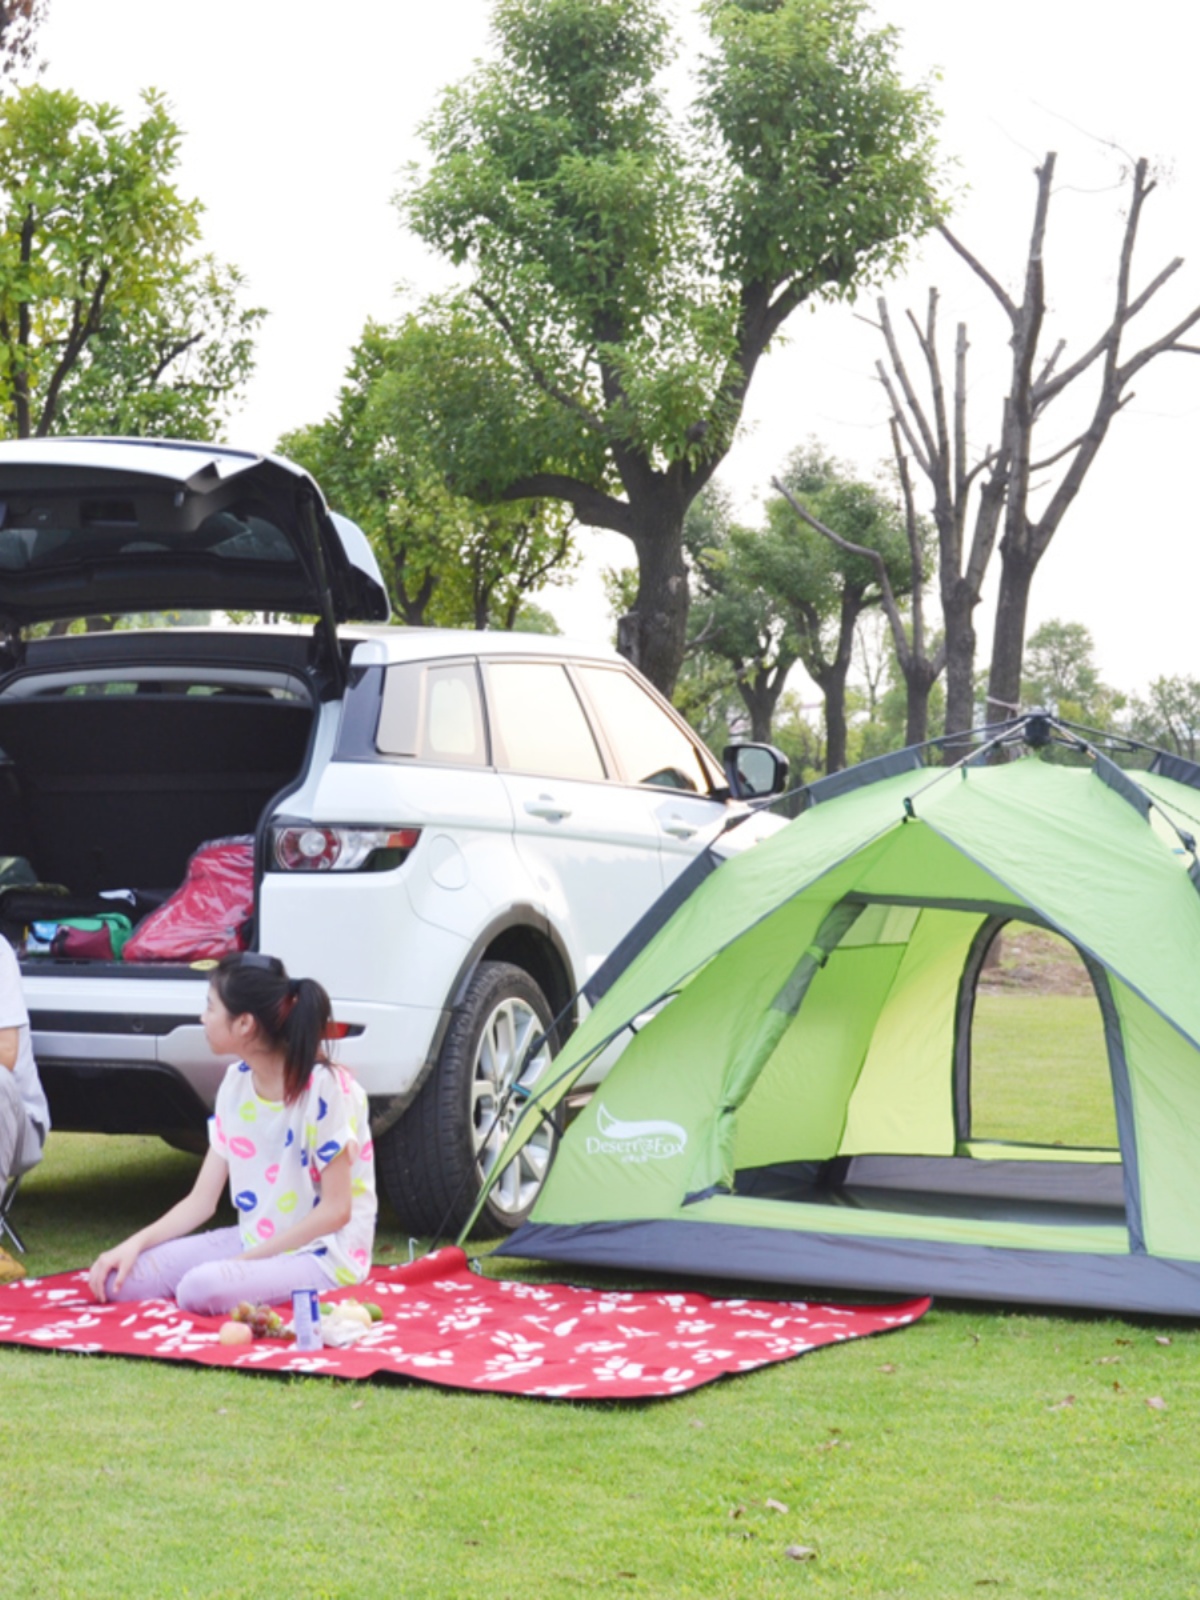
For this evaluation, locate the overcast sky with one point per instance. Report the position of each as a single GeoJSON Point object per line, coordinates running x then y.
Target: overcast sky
{"type": "Point", "coordinates": [299, 119]}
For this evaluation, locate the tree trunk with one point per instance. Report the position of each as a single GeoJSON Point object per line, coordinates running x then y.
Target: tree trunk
{"type": "Point", "coordinates": [958, 608]}
{"type": "Point", "coordinates": [916, 722]}
{"type": "Point", "coordinates": [760, 695]}
{"type": "Point", "coordinates": [653, 636]}
{"type": "Point", "coordinates": [412, 607]}
{"type": "Point", "coordinates": [831, 676]}
{"type": "Point", "coordinates": [834, 690]}
{"type": "Point", "coordinates": [1008, 644]}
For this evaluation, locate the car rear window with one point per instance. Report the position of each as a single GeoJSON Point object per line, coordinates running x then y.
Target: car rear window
{"type": "Point", "coordinates": [433, 712]}
{"type": "Point", "coordinates": [33, 537]}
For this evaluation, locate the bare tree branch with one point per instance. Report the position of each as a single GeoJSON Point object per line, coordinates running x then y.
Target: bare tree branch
{"type": "Point", "coordinates": [1168, 342]}
{"type": "Point", "coordinates": [978, 268]}
{"type": "Point", "coordinates": [900, 414]}
{"type": "Point", "coordinates": [873, 556]}
{"type": "Point", "coordinates": [915, 408]}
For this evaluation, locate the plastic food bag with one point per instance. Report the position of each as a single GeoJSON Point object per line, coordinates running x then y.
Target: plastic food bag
{"type": "Point", "coordinates": [207, 916]}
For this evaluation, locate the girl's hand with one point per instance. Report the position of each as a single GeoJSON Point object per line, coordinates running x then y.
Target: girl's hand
{"type": "Point", "coordinates": [121, 1258]}
{"type": "Point", "coordinates": [196, 1207]}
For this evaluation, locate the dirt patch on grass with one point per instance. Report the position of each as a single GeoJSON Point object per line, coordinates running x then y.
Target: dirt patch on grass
{"type": "Point", "coordinates": [1031, 961]}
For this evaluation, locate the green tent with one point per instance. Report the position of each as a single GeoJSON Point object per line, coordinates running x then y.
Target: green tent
{"type": "Point", "coordinates": [795, 1104]}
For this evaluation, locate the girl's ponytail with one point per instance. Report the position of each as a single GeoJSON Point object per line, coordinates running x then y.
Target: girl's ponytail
{"type": "Point", "coordinates": [305, 1014]}
{"type": "Point", "coordinates": [292, 1013]}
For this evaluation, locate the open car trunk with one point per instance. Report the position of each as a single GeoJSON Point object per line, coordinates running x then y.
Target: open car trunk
{"type": "Point", "coordinates": [110, 777]}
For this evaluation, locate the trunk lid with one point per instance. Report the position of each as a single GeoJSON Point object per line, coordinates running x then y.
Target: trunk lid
{"type": "Point", "coordinates": [98, 526]}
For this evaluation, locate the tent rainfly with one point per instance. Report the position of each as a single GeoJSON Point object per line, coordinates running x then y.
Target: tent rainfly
{"type": "Point", "coordinates": [796, 1102]}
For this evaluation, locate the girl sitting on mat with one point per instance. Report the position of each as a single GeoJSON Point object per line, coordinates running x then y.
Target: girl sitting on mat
{"type": "Point", "coordinates": [290, 1134]}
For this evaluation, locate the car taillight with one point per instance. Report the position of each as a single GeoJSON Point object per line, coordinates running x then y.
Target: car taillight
{"type": "Point", "coordinates": [342, 1030]}
{"type": "Point", "coordinates": [315, 848]}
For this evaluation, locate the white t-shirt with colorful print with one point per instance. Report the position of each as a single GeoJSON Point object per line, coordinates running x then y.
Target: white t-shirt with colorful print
{"type": "Point", "coordinates": [277, 1152]}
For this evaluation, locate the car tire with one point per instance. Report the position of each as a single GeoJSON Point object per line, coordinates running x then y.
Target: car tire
{"type": "Point", "coordinates": [433, 1161]}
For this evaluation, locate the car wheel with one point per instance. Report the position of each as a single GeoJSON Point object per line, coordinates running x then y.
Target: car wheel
{"type": "Point", "coordinates": [433, 1161]}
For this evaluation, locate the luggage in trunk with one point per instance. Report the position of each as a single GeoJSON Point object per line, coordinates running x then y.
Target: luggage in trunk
{"type": "Point", "coordinates": [103, 791]}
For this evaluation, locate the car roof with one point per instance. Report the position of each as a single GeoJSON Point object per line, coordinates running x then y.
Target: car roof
{"type": "Point", "coordinates": [384, 646]}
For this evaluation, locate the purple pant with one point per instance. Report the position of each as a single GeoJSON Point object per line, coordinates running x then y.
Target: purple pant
{"type": "Point", "coordinates": [202, 1273]}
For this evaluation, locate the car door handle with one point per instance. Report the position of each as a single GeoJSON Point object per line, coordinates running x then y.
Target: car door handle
{"type": "Point", "coordinates": [679, 829]}
{"type": "Point", "coordinates": [548, 807]}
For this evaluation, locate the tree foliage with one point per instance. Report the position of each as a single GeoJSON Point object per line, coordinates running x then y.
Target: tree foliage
{"type": "Point", "coordinates": [783, 594]}
{"type": "Point", "coordinates": [898, 577]}
{"type": "Point", "coordinates": [110, 320]}
{"type": "Point", "coordinates": [626, 269]}
{"type": "Point", "coordinates": [175, 368]}
{"type": "Point", "coordinates": [826, 587]}
{"type": "Point", "coordinates": [1060, 673]}
{"type": "Point", "coordinates": [1169, 716]}
{"type": "Point", "coordinates": [449, 560]}
{"type": "Point", "coordinates": [745, 638]}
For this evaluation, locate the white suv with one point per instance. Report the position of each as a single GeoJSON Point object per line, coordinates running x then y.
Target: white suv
{"type": "Point", "coordinates": [452, 830]}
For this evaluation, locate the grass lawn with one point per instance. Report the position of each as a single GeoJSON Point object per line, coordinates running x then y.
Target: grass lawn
{"type": "Point", "coordinates": [977, 1453]}
{"type": "Point", "coordinates": [1039, 1071]}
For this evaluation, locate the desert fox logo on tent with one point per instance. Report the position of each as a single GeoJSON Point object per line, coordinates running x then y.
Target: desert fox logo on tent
{"type": "Point", "coordinates": [635, 1141]}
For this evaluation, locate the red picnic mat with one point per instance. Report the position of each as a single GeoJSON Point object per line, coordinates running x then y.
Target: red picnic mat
{"type": "Point", "coordinates": [445, 1324]}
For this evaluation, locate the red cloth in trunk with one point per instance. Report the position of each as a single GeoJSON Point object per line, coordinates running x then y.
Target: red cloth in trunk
{"type": "Point", "coordinates": [206, 917]}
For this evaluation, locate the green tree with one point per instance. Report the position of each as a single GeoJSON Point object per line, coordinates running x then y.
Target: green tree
{"type": "Point", "coordinates": [531, 618]}
{"type": "Point", "coordinates": [108, 317]}
{"type": "Point", "coordinates": [627, 270]}
{"type": "Point", "coordinates": [174, 368]}
{"type": "Point", "coordinates": [1169, 716]}
{"type": "Point", "coordinates": [919, 659]}
{"type": "Point", "coordinates": [886, 713]}
{"type": "Point", "coordinates": [706, 691]}
{"type": "Point", "coordinates": [449, 560]}
{"type": "Point", "coordinates": [797, 732]}
{"type": "Point", "coordinates": [1059, 672]}
{"type": "Point", "coordinates": [824, 587]}
{"type": "Point", "coordinates": [743, 623]}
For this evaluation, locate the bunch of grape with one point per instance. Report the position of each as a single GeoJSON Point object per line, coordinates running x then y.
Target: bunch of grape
{"type": "Point", "coordinates": [264, 1322]}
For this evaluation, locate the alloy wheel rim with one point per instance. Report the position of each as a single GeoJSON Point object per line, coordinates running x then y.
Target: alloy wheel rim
{"type": "Point", "coordinates": [504, 1039]}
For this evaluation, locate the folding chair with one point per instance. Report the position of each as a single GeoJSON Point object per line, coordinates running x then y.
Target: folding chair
{"type": "Point", "coordinates": [7, 1198]}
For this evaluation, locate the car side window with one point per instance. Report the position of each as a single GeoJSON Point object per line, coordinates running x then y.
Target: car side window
{"type": "Point", "coordinates": [538, 724]}
{"type": "Point", "coordinates": [649, 746]}
{"type": "Point", "coordinates": [433, 713]}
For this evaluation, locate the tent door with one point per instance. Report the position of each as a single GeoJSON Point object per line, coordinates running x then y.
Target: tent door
{"type": "Point", "coordinates": [968, 1132]}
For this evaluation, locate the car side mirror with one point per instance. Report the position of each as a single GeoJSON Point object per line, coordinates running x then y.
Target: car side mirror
{"type": "Point", "coordinates": [755, 771]}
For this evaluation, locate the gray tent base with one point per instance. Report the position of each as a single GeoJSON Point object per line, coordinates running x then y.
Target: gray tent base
{"type": "Point", "coordinates": [807, 1261]}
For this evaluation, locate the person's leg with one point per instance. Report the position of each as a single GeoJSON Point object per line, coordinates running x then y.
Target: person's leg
{"type": "Point", "coordinates": [216, 1286]}
{"type": "Point", "coordinates": [157, 1272]}
{"type": "Point", "coordinates": [30, 1151]}
{"type": "Point", "coordinates": [14, 1127]}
